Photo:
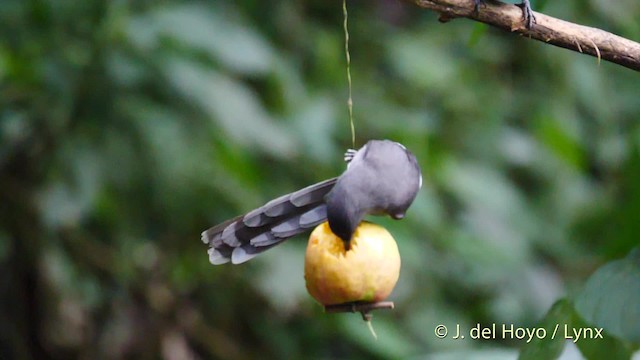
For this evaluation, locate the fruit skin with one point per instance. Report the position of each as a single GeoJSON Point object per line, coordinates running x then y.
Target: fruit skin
{"type": "Point", "coordinates": [367, 272]}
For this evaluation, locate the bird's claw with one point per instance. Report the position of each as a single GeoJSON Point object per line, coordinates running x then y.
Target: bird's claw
{"type": "Point", "coordinates": [527, 12]}
{"type": "Point", "coordinates": [476, 8]}
{"type": "Point", "coordinates": [349, 155]}
{"type": "Point", "coordinates": [525, 5]}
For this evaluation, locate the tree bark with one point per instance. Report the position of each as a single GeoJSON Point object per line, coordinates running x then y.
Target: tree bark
{"type": "Point", "coordinates": [586, 40]}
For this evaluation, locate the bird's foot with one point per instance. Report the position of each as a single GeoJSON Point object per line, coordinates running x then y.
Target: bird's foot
{"type": "Point", "coordinates": [527, 12]}
{"type": "Point", "coordinates": [525, 5]}
{"type": "Point", "coordinates": [476, 8]}
{"type": "Point", "coordinates": [349, 155]}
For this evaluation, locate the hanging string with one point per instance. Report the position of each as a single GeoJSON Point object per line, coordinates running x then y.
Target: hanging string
{"type": "Point", "coordinates": [346, 50]}
{"type": "Point", "coordinates": [373, 332]}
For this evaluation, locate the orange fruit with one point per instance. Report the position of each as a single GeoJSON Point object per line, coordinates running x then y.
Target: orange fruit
{"type": "Point", "coordinates": [367, 272]}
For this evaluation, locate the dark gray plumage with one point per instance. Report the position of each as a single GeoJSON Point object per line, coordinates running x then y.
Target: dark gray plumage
{"type": "Point", "coordinates": [383, 177]}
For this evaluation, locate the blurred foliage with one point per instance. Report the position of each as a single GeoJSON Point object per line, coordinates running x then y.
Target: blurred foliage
{"type": "Point", "coordinates": [128, 127]}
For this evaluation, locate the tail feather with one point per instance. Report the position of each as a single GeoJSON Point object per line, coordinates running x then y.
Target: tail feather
{"type": "Point", "coordinates": [243, 237]}
{"type": "Point", "coordinates": [279, 206]}
{"type": "Point", "coordinates": [314, 216]}
{"type": "Point", "coordinates": [213, 235]}
{"type": "Point", "coordinates": [240, 254]}
{"type": "Point", "coordinates": [255, 218]}
{"type": "Point", "coordinates": [312, 194]}
{"type": "Point", "coordinates": [264, 239]}
{"type": "Point", "coordinates": [218, 256]}
{"type": "Point", "coordinates": [247, 252]}
{"type": "Point", "coordinates": [287, 228]}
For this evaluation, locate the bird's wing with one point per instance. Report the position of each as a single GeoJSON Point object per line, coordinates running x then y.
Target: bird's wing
{"type": "Point", "coordinates": [245, 236]}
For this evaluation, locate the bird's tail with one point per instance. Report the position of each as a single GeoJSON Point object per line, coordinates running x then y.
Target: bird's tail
{"type": "Point", "coordinates": [243, 237]}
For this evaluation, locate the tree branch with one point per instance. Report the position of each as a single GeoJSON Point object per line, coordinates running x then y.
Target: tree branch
{"type": "Point", "coordinates": [363, 308]}
{"type": "Point", "coordinates": [583, 39]}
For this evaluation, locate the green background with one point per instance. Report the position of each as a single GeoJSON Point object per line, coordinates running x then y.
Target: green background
{"type": "Point", "coordinates": [128, 127]}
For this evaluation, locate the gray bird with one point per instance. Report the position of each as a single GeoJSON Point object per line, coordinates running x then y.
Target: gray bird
{"type": "Point", "coordinates": [382, 177]}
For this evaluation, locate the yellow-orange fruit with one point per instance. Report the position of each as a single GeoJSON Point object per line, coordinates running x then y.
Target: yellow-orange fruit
{"type": "Point", "coordinates": [368, 271]}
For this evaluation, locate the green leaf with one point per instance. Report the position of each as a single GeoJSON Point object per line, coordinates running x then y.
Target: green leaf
{"type": "Point", "coordinates": [607, 347]}
{"type": "Point", "coordinates": [486, 353]}
{"type": "Point", "coordinates": [611, 298]}
{"type": "Point", "coordinates": [479, 29]}
{"type": "Point", "coordinates": [233, 104]}
{"type": "Point", "coordinates": [539, 5]}
{"type": "Point", "coordinates": [561, 141]}
{"type": "Point", "coordinates": [551, 346]}
{"type": "Point", "coordinates": [390, 342]}
{"type": "Point", "coordinates": [72, 195]}
{"type": "Point", "coordinates": [435, 73]}
{"type": "Point", "coordinates": [220, 33]}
